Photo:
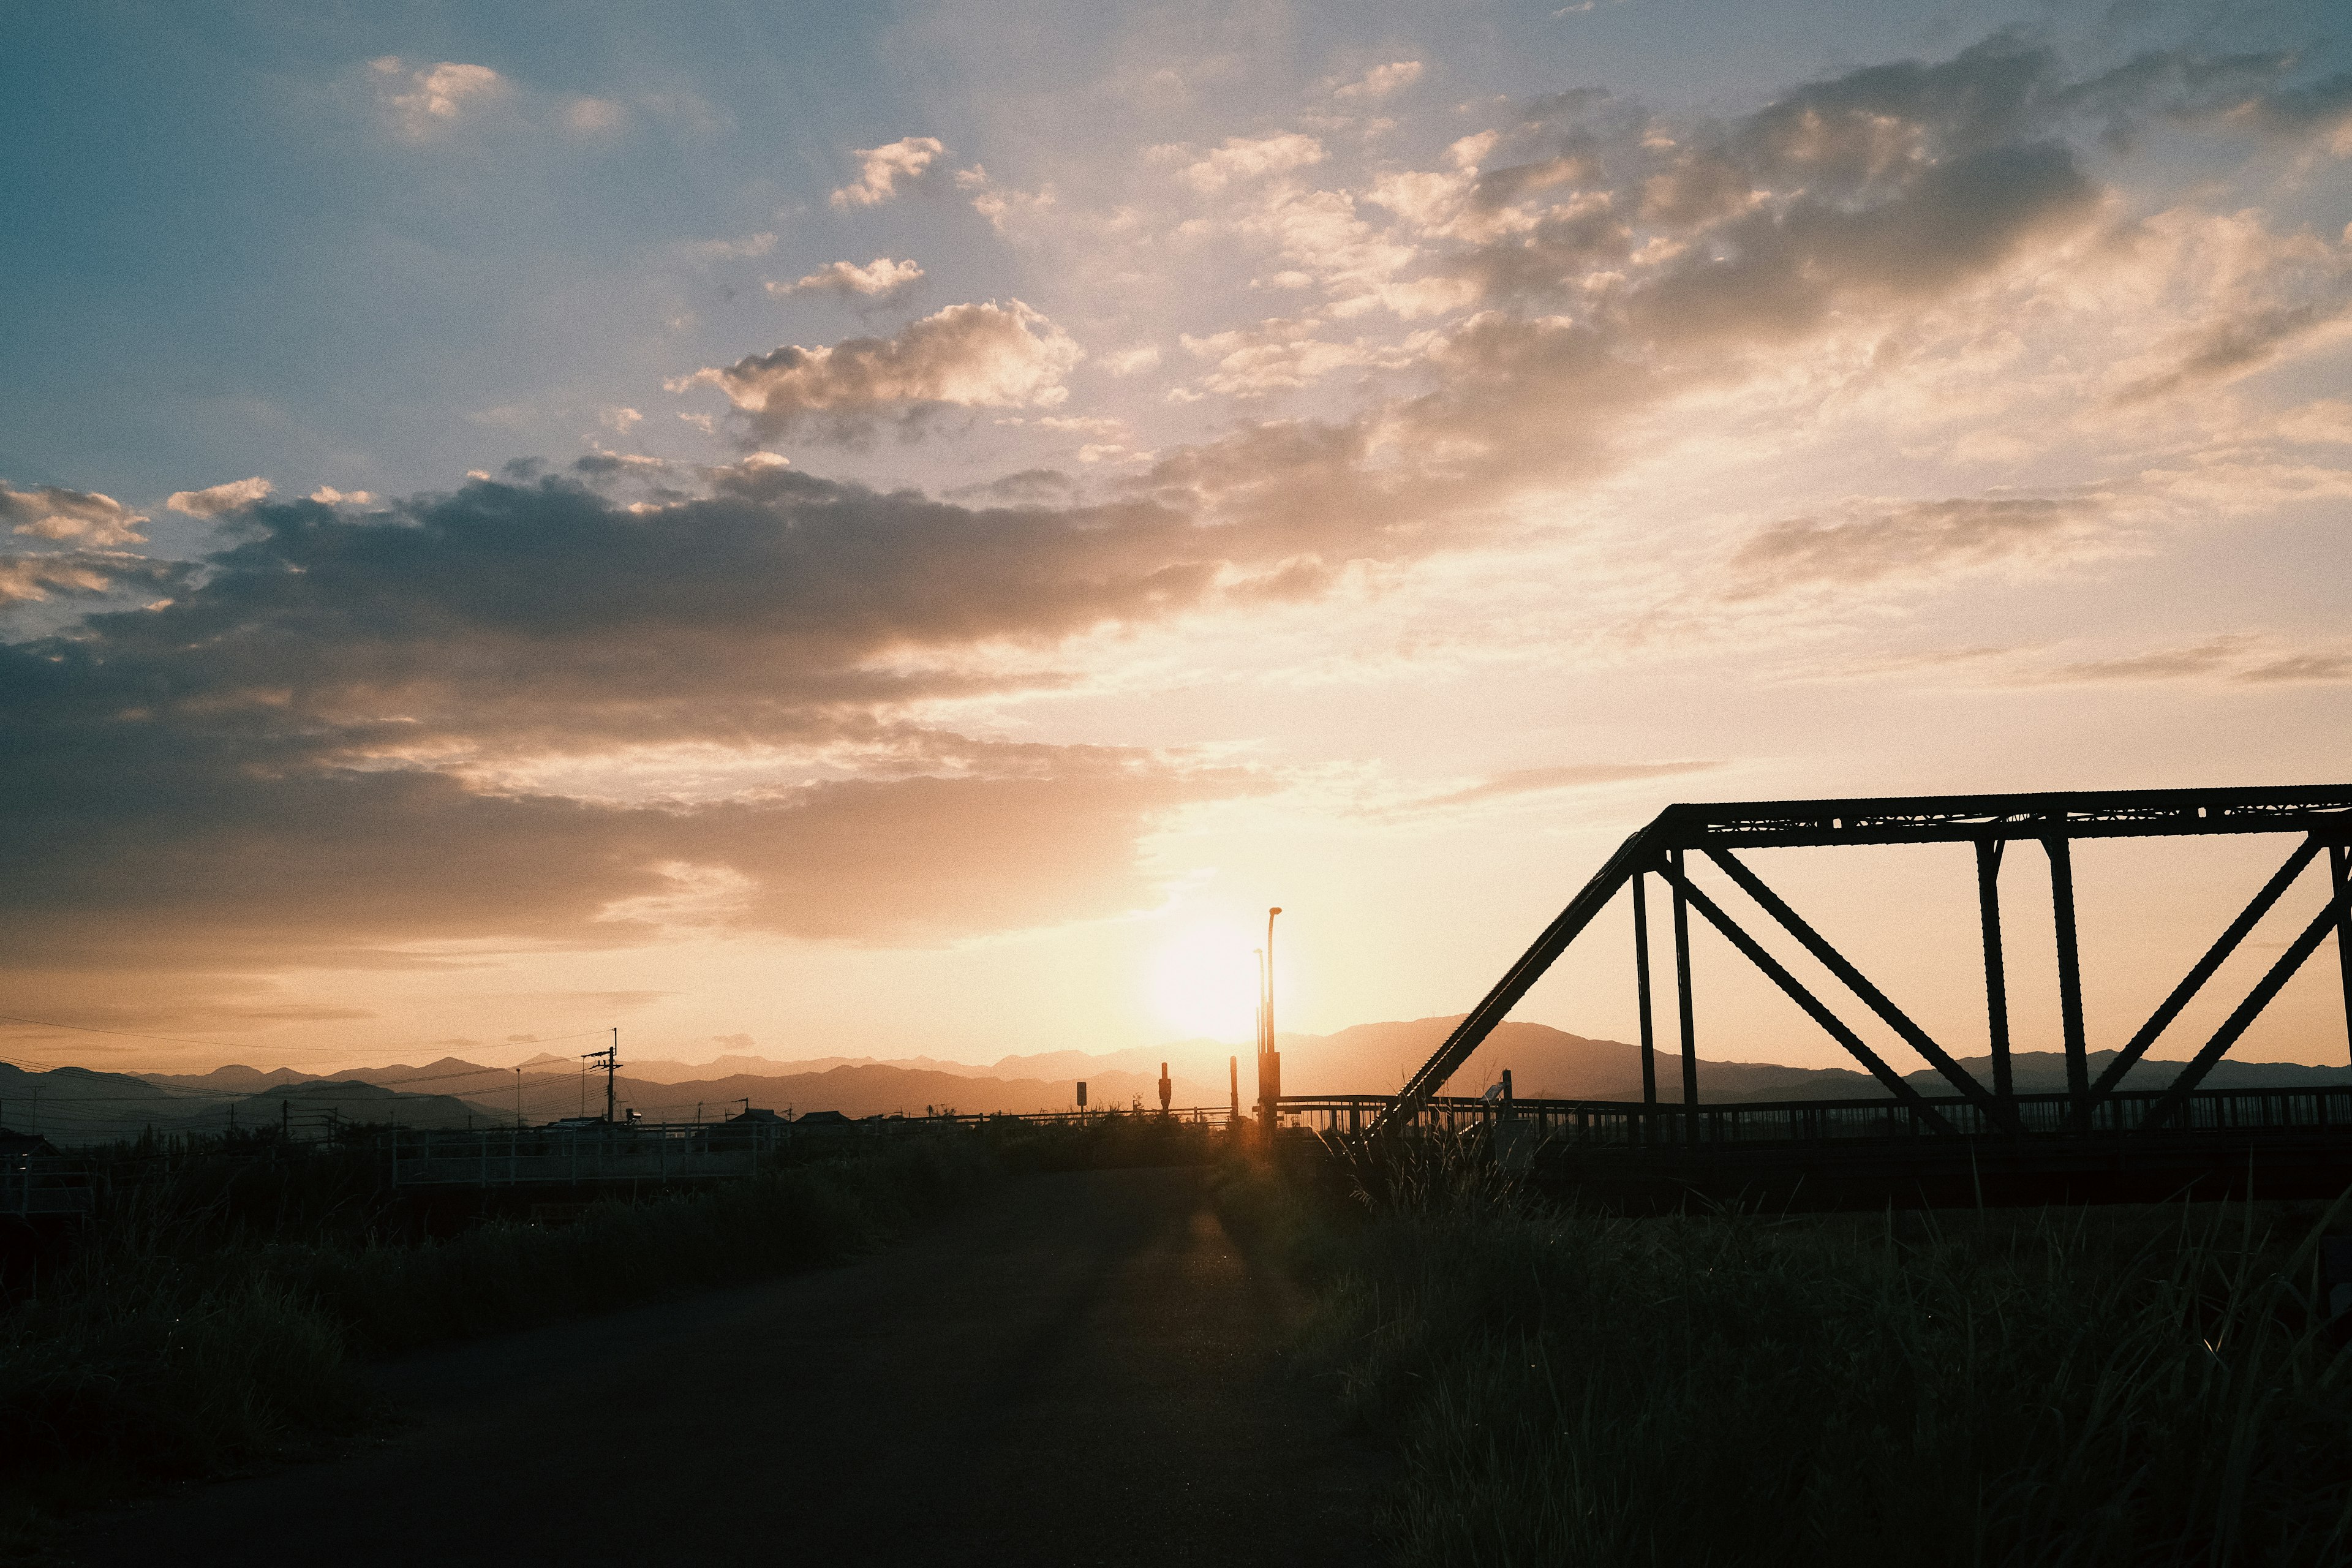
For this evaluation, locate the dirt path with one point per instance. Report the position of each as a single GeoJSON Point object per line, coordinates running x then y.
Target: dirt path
{"type": "Point", "coordinates": [1082, 1371]}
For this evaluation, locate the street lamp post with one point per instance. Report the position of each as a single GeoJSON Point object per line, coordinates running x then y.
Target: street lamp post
{"type": "Point", "coordinates": [1258, 955]}
{"type": "Point", "coordinates": [1269, 1059]}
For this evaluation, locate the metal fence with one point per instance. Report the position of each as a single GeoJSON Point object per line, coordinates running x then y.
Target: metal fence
{"type": "Point", "coordinates": [1602, 1123]}
{"type": "Point", "coordinates": [45, 1187]}
{"type": "Point", "coordinates": [682, 1152]}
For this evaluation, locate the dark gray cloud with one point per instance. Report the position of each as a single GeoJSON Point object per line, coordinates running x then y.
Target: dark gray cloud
{"type": "Point", "coordinates": [80, 574]}
{"type": "Point", "coordinates": [265, 763]}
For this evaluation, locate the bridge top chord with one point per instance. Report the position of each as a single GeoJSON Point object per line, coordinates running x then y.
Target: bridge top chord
{"type": "Point", "coordinates": [2326, 809]}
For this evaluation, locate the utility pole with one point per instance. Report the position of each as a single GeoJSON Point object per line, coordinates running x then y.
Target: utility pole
{"type": "Point", "coordinates": [609, 1058]}
{"type": "Point", "coordinates": [518, 1099]}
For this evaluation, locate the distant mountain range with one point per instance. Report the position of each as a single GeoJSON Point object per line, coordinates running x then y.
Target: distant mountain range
{"type": "Point", "coordinates": [79, 1106]}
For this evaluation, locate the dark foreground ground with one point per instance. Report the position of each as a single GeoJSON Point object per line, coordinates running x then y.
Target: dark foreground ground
{"type": "Point", "coordinates": [1084, 1370]}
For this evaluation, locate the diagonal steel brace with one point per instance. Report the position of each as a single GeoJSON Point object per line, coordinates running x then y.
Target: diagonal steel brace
{"type": "Point", "coordinates": [1917, 1038]}
{"type": "Point", "coordinates": [1814, 1008]}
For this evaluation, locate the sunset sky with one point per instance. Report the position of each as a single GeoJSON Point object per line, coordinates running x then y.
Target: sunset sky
{"type": "Point", "coordinates": [903, 528]}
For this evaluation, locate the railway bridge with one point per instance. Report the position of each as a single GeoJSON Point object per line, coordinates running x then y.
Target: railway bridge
{"type": "Point", "coordinates": [1981, 1141]}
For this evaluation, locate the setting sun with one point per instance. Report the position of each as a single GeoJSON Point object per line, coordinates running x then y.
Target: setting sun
{"type": "Point", "coordinates": [1204, 982]}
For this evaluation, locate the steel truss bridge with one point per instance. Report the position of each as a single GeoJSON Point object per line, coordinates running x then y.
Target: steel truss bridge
{"type": "Point", "coordinates": [2094, 1138]}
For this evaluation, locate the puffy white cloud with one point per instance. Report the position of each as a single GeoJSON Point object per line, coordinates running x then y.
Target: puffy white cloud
{"type": "Point", "coordinates": [881, 169]}
{"type": "Point", "coordinates": [1242, 158]}
{"type": "Point", "coordinates": [433, 98]}
{"type": "Point", "coordinates": [218, 498]}
{"type": "Point", "coordinates": [972, 356]}
{"type": "Point", "coordinates": [328, 495]}
{"type": "Point", "coordinates": [877, 277]}
{"type": "Point", "coordinates": [69, 516]}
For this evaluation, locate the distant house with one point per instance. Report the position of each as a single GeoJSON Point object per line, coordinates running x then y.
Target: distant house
{"type": "Point", "coordinates": [16, 1145]}
{"type": "Point", "coordinates": [823, 1121]}
{"type": "Point", "coordinates": [755, 1128]}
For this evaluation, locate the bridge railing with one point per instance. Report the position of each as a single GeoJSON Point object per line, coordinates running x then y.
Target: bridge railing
{"type": "Point", "coordinates": [1608, 1123]}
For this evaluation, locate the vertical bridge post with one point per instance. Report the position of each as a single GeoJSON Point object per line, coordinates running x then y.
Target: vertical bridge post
{"type": "Point", "coordinates": [2339, 871]}
{"type": "Point", "coordinates": [1641, 1002]}
{"type": "Point", "coordinates": [1682, 999]}
{"type": "Point", "coordinates": [2070, 981]}
{"type": "Point", "coordinates": [1989, 850]}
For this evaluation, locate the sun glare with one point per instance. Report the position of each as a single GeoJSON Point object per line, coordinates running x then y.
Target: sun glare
{"type": "Point", "coordinates": [1204, 982]}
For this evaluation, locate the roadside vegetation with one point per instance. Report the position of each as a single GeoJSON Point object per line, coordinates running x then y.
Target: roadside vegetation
{"type": "Point", "coordinates": [220, 1318]}
{"type": "Point", "coordinates": [2062, 1386]}
{"type": "Point", "coordinates": [1111, 1140]}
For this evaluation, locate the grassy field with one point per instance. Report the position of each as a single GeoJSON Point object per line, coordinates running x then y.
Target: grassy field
{"type": "Point", "coordinates": [218, 1320]}
{"type": "Point", "coordinates": [2079, 1386]}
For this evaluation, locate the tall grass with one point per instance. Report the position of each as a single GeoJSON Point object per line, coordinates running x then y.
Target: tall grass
{"type": "Point", "coordinates": [175, 1344]}
{"type": "Point", "coordinates": [2078, 1387]}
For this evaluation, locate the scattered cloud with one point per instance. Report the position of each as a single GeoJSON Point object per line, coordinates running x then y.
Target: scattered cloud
{"type": "Point", "coordinates": [967, 356]}
{"type": "Point", "coordinates": [882, 170]}
{"type": "Point", "coordinates": [1918, 540]}
{"type": "Point", "coordinates": [1380, 80]}
{"type": "Point", "coordinates": [217, 499]}
{"type": "Point", "coordinates": [328, 495]}
{"type": "Point", "coordinates": [427, 100]}
{"type": "Point", "coordinates": [1005, 208]}
{"type": "Point", "coordinates": [877, 279]}
{"type": "Point", "coordinates": [69, 516]}
{"type": "Point", "coordinates": [1283, 355]}
{"type": "Point", "coordinates": [2240, 658]}
{"type": "Point", "coordinates": [1242, 158]}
